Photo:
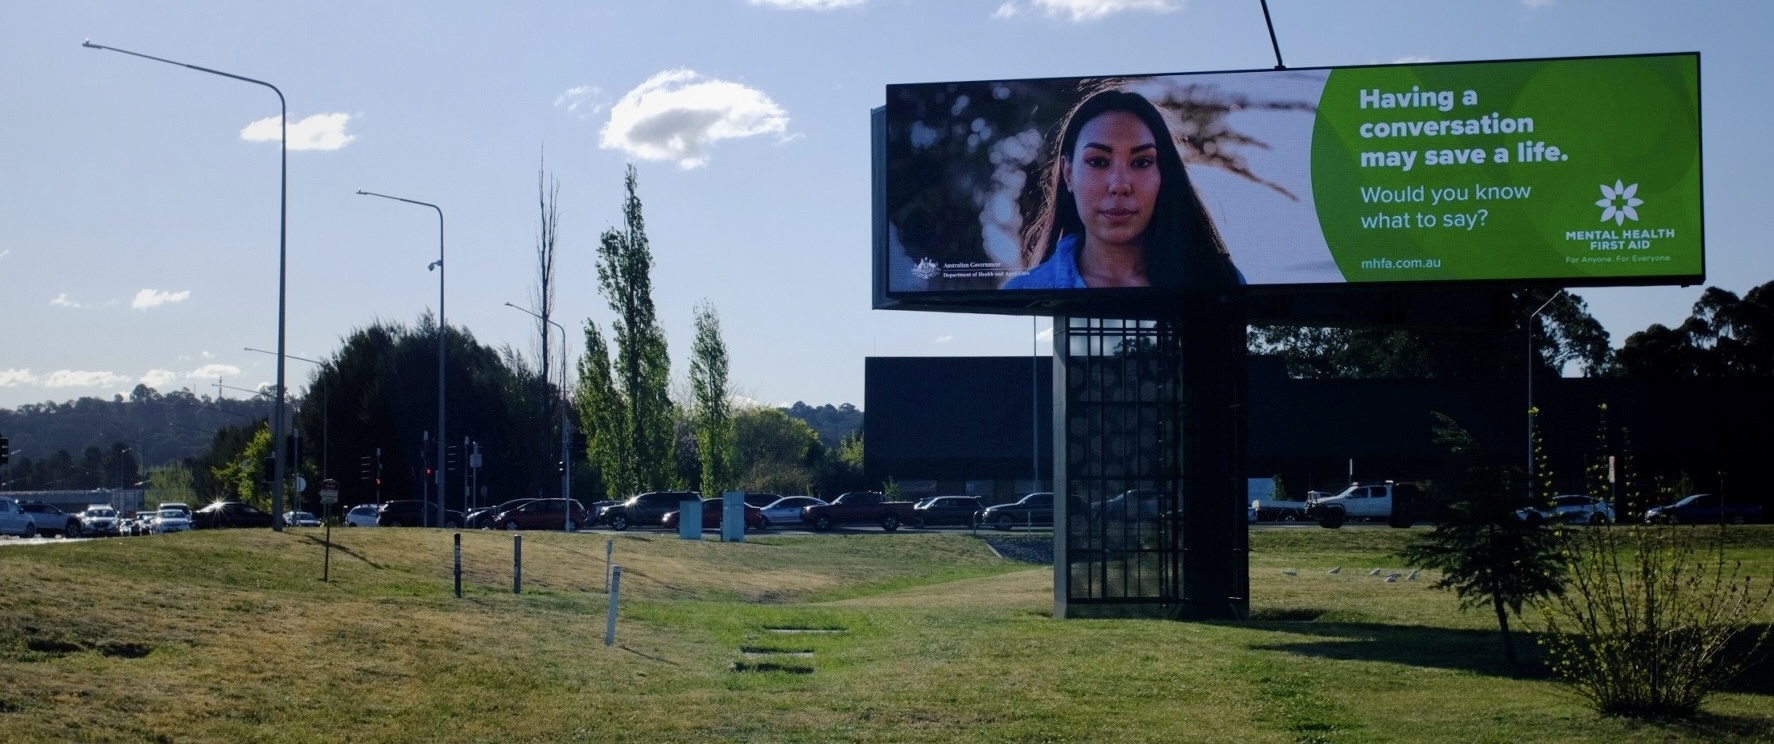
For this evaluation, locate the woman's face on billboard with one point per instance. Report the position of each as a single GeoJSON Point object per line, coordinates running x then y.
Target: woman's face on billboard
{"type": "Point", "coordinates": [1112, 172]}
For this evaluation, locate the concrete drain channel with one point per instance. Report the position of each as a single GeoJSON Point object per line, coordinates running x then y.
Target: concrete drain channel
{"type": "Point", "coordinates": [784, 660]}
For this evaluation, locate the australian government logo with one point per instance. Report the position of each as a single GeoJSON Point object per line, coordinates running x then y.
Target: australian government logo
{"type": "Point", "coordinates": [925, 269]}
{"type": "Point", "coordinates": [1621, 243]}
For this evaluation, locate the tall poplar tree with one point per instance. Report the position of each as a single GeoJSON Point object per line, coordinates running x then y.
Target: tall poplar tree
{"type": "Point", "coordinates": [712, 397]}
{"type": "Point", "coordinates": [641, 374]}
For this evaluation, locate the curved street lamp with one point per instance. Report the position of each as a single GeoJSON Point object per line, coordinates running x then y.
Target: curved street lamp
{"type": "Point", "coordinates": [566, 452]}
{"type": "Point", "coordinates": [282, 257]}
{"type": "Point", "coordinates": [439, 265]}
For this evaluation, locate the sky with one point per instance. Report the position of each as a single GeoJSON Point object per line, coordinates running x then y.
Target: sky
{"type": "Point", "coordinates": [139, 201]}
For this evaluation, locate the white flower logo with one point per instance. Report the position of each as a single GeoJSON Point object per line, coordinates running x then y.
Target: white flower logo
{"type": "Point", "coordinates": [1617, 203]}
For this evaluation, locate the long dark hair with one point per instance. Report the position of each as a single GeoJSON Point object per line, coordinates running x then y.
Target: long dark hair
{"type": "Point", "coordinates": [1182, 245]}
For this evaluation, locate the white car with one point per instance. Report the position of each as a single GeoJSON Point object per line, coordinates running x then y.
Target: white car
{"type": "Point", "coordinates": [100, 519]}
{"type": "Point", "coordinates": [363, 515]}
{"type": "Point", "coordinates": [301, 519]}
{"type": "Point", "coordinates": [787, 510]}
{"type": "Point", "coordinates": [172, 518]}
{"type": "Point", "coordinates": [1570, 509]}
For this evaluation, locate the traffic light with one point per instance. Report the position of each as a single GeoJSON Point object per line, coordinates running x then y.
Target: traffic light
{"type": "Point", "coordinates": [364, 468]}
{"type": "Point", "coordinates": [5, 450]}
{"type": "Point", "coordinates": [268, 469]}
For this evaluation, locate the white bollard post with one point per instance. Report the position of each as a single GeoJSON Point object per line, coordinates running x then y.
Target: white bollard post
{"type": "Point", "coordinates": [615, 591]}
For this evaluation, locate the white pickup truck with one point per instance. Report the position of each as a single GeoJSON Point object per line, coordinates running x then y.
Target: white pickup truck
{"type": "Point", "coordinates": [1393, 502]}
{"type": "Point", "coordinates": [16, 521]}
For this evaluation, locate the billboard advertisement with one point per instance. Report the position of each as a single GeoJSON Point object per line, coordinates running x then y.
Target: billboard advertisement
{"type": "Point", "coordinates": [1582, 171]}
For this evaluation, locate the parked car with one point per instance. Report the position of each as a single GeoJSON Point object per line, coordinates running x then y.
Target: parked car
{"type": "Point", "coordinates": [50, 520]}
{"type": "Point", "coordinates": [101, 519]}
{"type": "Point", "coordinates": [1705, 508]}
{"type": "Point", "coordinates": [230, 514]}
{"type": "Point", "coordinates": [761, 500]}
{"type": "Point", "coordinates": [542, 514]}
{"type": "Point", "coordinates": [1033, 510]}
{"type": "Point", "coordinates": [482, 518]}
{"type": "Point", "coordinates": [1571, 509]}
{"type": "Point", "coordinates": [414, 513]}
{"type": "Point", "coordinates": [713, 516]}
{"type": "Point", "coordinates": [363, 515]}
{"type": "Point", "coordinates": [16, 521]}
{"type": "Point", "coordinates": [858, 507]}
{"type": "Point", "coordinates": [172, 517]}
{"type": "Point", "coordinates": [787, 510]}
{"type": "Point", "coordinates": [137, 523]}
{"type": "Point", "coordinates": [947, 511]}
{"type": "Point", "coordinates": [1396, 503]}
{"type": "Point", "coordinates": [645, 509]}
{"type": "Point", "coordinates": [301, 519]}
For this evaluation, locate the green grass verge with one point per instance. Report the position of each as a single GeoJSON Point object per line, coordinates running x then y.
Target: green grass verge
{"type": "Point", "coordinates": [231, 636]}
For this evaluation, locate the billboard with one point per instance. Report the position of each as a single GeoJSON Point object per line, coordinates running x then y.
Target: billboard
{"type": "Point", "coordinates": [1581, 171]}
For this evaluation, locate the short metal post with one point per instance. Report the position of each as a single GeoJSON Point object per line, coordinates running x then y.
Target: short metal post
{"type": "Point", "coordinates": [517, 564]}
{"type": "Point", "coordinates": [458, 565]}
{"type": "Point", "coordinates": [609, 550]}
{"type": "Point", "coordinates": [615, 590]}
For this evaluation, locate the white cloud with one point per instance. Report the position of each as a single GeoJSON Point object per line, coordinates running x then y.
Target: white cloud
{"type": "Point", "coordinates": [5, 253]}
{"type": "Point", "coordinates": [80, 378]}
{"type": "Point", "coordinates": [212, 371]}
{"type": "Point", "coordinates": [148, 298]}
{"type": "Point", "coordinates": [1415, 59]}
{"type": "Point", "coordinates": [61, 300]}
{"type": "Point", "coordinates": [317, 132]}
{"type": "Point", "coordinates": [809, 4]}
{"type": "Point", "coordinates": [585, 101]}
{"type": "Point", "coordinates": [1087, 10]}
{"type": "Point", "coordinates": [155, 378]}
{"type": "Point", "coordinates": [16, 377]}
{"type": "Point", "coordinates": [677, 115]}
{"type": "Point", "coordinates": [944, 339]}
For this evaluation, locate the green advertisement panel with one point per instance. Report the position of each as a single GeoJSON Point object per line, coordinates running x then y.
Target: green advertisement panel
{"type": "Point", "coordinates": [1035, 193]}
{"type": "Point", "coordinates": [1583, 168]}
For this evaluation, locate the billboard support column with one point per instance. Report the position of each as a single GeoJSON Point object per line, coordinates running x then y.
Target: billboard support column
{"type": "Point", "coordinates": [1216, 541]}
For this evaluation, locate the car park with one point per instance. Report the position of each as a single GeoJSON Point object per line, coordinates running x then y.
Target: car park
{"type": "Point", "coordinates": [947, 511]}
{"type": "Point", "coordinates": [229, 514]}
{"type": "Point", "coordinates": [363, 515]}
{"type": "Point", "coordinates": [787, 510]}
{"type": "Point", "coordinates": [101, 519]}
{"type": "Point", "coordinates": [542, 514]}
{"type": "Point", "coordinates": [301, 519]}
{"type": "Point", "coordinates": [646, 509]}
{"type": "Point", "coordinates": [1569, 509]}
{"type": "Point", "coordinates": [1033, 510]}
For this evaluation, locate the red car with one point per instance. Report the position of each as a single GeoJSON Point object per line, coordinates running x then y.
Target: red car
{"type": "Point", "coordinates": [711, 516]}
{"type": "Point", "coordinates": [542, 514]}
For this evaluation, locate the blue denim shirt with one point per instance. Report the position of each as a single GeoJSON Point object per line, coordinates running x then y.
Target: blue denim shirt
{"type": "Point", "coordinates": [1059, 271]}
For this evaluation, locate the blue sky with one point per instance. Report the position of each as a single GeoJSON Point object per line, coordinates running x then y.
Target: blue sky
{"type": "Point", "coordinates": [139, 201]}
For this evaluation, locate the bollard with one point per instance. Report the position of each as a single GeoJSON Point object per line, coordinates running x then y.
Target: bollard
{"type": "Point", "coordinates": [517, 564]}
{"type": "Point", "coordinates": [458, 565]}
{"type": "Point", "coordinates": [615, 590]}
{"type": "Point", "coordinates": [609, 550]}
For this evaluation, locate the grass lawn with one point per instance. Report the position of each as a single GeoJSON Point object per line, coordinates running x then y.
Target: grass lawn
{"type": "Point", "coordinates": [231, 636]}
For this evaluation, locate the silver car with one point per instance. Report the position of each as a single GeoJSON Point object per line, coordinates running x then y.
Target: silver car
{"type": "Point", "coordinates": [787, 510]}
{"type": "Point", "coordinates": [172, 518]}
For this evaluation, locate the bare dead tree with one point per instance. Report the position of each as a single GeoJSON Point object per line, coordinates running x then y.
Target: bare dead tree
{"type": "Point", "coordinates": [547, 191]}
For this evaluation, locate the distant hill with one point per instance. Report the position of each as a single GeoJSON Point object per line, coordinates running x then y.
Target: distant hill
{"type": "Point", "coordinates": [158, 428]}
{"type": "Point", "coordinates": [831, 422]}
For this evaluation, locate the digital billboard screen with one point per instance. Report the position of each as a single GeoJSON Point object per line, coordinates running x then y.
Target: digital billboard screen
{"type": "Point", "coordinates": [1580, 171]}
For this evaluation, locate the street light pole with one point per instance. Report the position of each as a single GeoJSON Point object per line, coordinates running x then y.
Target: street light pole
{"type": "Point", "coordinates": [441, 325]}
{"type": "Point", "coordinates": [279, 420]}
{"type": "Point", "coordinates": [566, 451]}
{"type": "Point", "coordinates": [325, 412]}
{"type": "Point", "coordinates": [1531, 318]}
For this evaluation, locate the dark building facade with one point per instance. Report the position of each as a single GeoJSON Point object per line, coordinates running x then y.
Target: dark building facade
{"type": "Point", "coordinates": [967, 425]}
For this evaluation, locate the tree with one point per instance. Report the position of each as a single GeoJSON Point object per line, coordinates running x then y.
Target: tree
{"type": "Point", "coordinates": [547, 192]}
{"type": "Point", "coordinates": [172, 482]}
{"type": "Point", "coordinates": [641, 374]}
{"type": "Point", "coordinates": [775, 450]}
{"type": "Point", "coordinates": [1487, 555]}
{"type": "Point", "coordinates": [601, 417]}
{"type": "Point", "coordinates": [1726, 336]}
{"type": "Point", "coordinates": [1563, 332]}
{"type": "Point", "coordinates": [712, 398]}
